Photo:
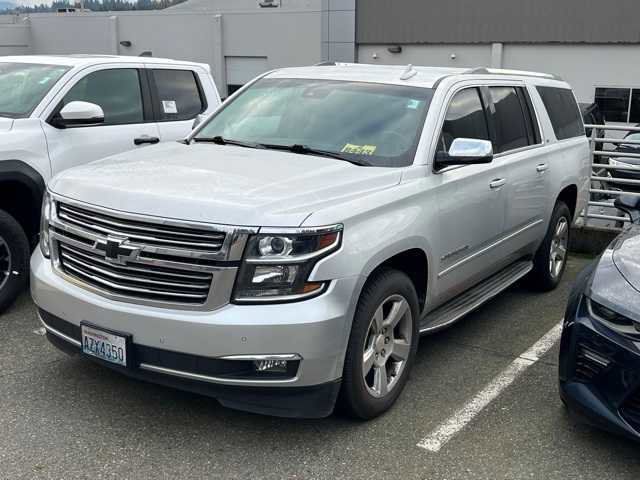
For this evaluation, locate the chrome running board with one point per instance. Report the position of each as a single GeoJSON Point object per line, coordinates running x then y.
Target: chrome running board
{"type": "Point", "coordinates": [458, 307]}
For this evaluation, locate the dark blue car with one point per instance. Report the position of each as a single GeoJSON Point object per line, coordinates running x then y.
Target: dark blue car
{"type": "Point", "coordinates": [600, 346]}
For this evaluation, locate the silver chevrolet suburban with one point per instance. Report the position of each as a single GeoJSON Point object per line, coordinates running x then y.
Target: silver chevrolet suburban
{"type": "Point", "coordinates": [287, 256]}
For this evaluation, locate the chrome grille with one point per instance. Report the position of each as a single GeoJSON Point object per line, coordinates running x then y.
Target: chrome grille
{"type": "Point", "coordinates": [143, 259]}
{"type": "Point", "coordinates": [154, 283]}
{"type": "Point", "coordinates": [156, 234]}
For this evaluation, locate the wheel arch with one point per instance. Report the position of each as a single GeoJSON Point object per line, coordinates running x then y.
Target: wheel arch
{"type": "Point", "coordinates": [569, 195]}
{"type": "Point", "coordinates": [19, 181]}
{"type": "Point", "coordinates": [409, 258]}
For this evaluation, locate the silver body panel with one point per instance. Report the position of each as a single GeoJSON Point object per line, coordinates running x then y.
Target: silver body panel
{"type": "Point", "coordinates": [471, 222]}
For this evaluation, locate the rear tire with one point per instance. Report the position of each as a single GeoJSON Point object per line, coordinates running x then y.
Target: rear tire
{"type": "Point", "coordinates": [14, 260]}
{"type": "Point", "coordinates": [550, 260]}
{"type": "Point", "coordinates": [382, 346]}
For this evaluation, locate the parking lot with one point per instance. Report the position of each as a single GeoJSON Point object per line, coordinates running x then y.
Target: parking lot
{"type": "Point", "coordinates": [64, 417]}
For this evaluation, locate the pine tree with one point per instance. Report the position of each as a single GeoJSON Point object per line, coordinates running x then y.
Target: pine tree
{"type": "Point", "coordinates": [96, 6]}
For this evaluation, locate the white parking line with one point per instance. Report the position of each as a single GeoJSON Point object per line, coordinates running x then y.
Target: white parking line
{"type": "Point", "coordinates": [454, 424]}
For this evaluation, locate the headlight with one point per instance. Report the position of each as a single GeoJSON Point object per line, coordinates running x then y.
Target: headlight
{"type": "Point", "coordinates": [45, 245]}
{"type": "Point", "coordinates": [612, 318]}
{"type": "Point", "coordinates": [277, 264]}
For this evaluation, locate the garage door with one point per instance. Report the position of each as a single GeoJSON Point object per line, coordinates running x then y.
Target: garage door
{"type": "Point", "coordinates": [241, 70]}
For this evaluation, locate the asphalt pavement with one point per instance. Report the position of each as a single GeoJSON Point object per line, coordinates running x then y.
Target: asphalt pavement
{"type": "Point", "coordinates": [65, 417]}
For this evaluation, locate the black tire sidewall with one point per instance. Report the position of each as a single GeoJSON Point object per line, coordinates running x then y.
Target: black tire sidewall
{"type": "Point", "coordinates": [541, 278]}
{"type": "Point", "coordinates": [355, 400]}
{"type": "Point", "coordinates": [16, 240]}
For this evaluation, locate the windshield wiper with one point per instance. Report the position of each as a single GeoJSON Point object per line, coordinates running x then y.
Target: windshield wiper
{"type": "Point", "coordinates": [218, 140]}
{"type": "Point", "coordinates": [304, 150]}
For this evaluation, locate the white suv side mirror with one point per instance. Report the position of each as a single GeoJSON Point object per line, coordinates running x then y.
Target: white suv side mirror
{"type": "Point", "coordinates": [80, 113]}
{"type": "Point", "coordinates": [466, 151]}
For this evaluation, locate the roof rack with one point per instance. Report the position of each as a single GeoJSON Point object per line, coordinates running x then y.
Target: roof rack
{"type": "Point", "coordinates": [333, 64]}
{"type": "Point", "coordinates": [504, 71]}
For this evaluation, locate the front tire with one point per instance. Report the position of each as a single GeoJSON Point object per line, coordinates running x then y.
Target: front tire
{"type": "Point", "coordinates": [382, 345]}
{"type": "Point", "coordinates": [14, 260]}
{"type": "Point", "coordinates": [550, 260]}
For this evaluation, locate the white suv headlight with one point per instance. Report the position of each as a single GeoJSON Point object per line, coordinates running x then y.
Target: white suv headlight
{"type": "Point", "coordinates": [277, 264]}
{"type": "Point", "coordinates": [45, 241]}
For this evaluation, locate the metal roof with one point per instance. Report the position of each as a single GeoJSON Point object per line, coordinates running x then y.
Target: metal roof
{"type": "Point", "coordinates": [88, 59]}
{"type": "Point", "coordinates": [409, 75]}
{"type": "Point", "coordinates": [487, 21]}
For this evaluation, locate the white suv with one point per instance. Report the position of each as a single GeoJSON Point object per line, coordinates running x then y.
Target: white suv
{"type": "Point", "coordinates": [57, 112]}
{"type": "Point", "coordinates": [292, 251]}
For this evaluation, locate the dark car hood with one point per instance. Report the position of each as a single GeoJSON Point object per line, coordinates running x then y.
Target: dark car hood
{"type": "Point", "coordinates": [635, 149]}
{"type": "Point", "coordinates": [615, 282]}
{"type": "Point", "coordinates": [626, 256]}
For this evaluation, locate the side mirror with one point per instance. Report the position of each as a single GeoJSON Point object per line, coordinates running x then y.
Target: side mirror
{"type": "Point", "coordinates": [466, 151]}
{"type": "Point", "coordinates": [629, 204]}
{"type": "Point", "coordinates": [198, 120]}
{"type": "Point", "coordinates": [79, 114]}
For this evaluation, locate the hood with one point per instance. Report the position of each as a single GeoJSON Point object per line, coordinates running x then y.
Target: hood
{"type": "Point", "coordinates": [626, 256]}
{"type": "Point", "coordinates": [221, 184]}
{"type": "Point", "coordinates": [5, 124]}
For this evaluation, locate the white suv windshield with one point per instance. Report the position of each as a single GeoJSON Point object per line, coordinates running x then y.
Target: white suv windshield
{"type": "Point", "coordinates": [365, 123]}
{"type": "Point", "coordinates": [23, 85]}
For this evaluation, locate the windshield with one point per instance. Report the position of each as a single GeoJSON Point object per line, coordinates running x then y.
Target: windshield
{"type": "Point", "coordinates": [23, 86]}
{"type": "Point", "coordinates": [366, 123]}
{"type": "Point", "coordinates": [635, 136]}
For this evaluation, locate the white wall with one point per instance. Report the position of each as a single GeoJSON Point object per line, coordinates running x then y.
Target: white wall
{"type": "Point", "coordinates": [428, 55]}
{"type": "Point", "coordinates": [583, 66]}
{"type": "Point", "coordinates": [284, 37]}
{"type": "Point", "coordinates": [14, 39]}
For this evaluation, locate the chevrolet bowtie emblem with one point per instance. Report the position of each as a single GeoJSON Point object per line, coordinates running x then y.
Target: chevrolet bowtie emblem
{"type": "Point", "coordinates": [117, 251]}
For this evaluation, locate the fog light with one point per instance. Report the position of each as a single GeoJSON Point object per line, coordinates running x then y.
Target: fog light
{"type": "Point", "coordinates": [275, 366]}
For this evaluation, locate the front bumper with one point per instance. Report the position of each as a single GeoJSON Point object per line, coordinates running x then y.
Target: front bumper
{"type": "Point", "coordinates": [183, 349]}
{"type": "Point", "coordinates": [600, 374]}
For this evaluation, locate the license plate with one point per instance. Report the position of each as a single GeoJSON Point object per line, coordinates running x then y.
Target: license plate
{"type": "Point", "coordinates": [104, 345]}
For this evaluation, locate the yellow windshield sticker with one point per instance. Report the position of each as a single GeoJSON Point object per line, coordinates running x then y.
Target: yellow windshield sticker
{"type": "Point", "coordinates": [359, 149]}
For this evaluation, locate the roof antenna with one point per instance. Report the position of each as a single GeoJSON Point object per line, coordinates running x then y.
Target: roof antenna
{"type": "Point", "coordinates": [408, 73]}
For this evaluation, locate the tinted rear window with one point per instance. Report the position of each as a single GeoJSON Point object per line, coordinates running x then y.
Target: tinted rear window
{"type": "Point", "coordinates": [179, 94]}
{"type": "Point", "coordinates": [563, 112]}
{"type": "Point", "coordinates": [509, 120]}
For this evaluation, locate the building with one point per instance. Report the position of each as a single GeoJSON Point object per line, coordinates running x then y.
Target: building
{"type": "Point", "coordinates": [594, 48]}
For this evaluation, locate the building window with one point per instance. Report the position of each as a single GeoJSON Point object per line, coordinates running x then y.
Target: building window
{"type": "Point", "coordinates": [231, 89]}
{"type": "Point", "coordinates": [619, 104]}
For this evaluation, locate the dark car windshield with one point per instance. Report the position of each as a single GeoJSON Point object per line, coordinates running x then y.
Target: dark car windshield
{"type": "Point", "coordinates": [24, 85]}
{"type": "Point", "coordinates": [369, 124]}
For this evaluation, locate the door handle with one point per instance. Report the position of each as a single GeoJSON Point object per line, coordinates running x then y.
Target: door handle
{"type": "Point", "coordinates": [497, 183]}
{"type": "Point", "coordinates": [146, 139]}
{"type": "Point", "coordinates": [541, 168]}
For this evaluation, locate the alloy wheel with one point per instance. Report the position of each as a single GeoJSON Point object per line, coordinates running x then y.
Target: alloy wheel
{"type": "Point", "coordinates": [5, 262]}
{"type": "Point", "coordinates": [559, 246]}
{"type": "Point", "coordinates": [387, 345]}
